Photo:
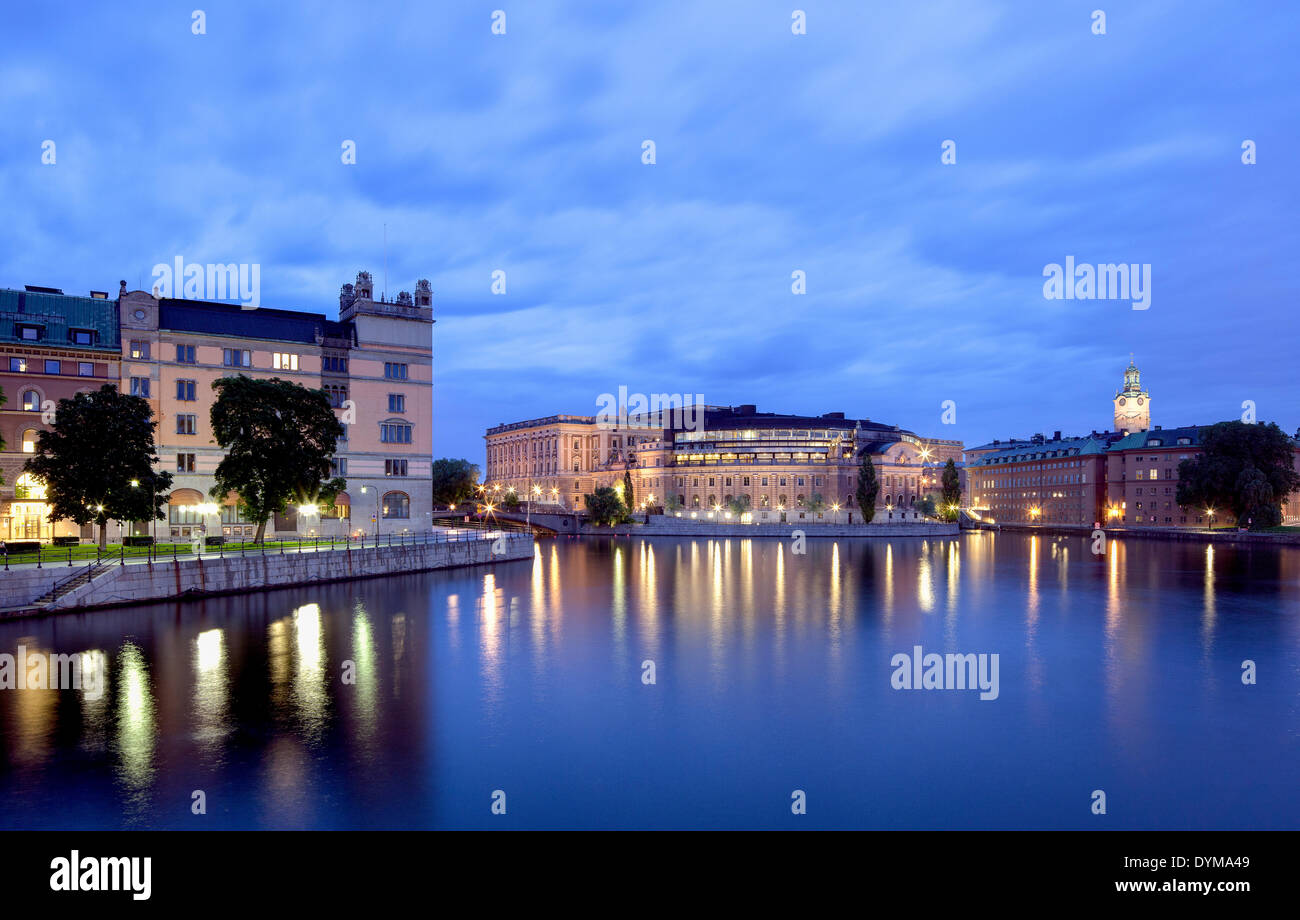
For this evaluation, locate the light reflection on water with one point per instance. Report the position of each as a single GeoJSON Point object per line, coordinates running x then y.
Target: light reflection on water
{"type": "Point", "coordinates": [403, 702]}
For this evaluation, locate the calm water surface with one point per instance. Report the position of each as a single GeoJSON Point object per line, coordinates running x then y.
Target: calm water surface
{"type": "Point", "coordinates": [772, 669]}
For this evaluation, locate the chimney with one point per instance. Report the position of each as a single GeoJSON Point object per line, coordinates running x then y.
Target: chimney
{"type": "Point", "coordinates": [1056, 436]}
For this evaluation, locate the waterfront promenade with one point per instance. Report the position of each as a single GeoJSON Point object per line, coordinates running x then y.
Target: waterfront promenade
{"type": "Point", "coordinates": [32, 589]}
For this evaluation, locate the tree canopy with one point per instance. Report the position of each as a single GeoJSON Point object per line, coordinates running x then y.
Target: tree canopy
{"type": "Point", "coordinates": [605, 507]}
{"type": "Point", "coordinates": [96, 461]}
{"type": "Point", "coordinates": [868, 487]}
{"type": "Point", "coordinates": [1248, 469]}
{"type": "Point", "coordinates": [279, 438]}
{"type": "Point", "coordinates": [454, 481]}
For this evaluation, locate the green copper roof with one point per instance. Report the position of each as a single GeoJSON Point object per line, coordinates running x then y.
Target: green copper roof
{"type": "Point", "coordinates": [56, 316]}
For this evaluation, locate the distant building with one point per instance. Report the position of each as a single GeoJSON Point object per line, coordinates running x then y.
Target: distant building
{"type": "Point", "coordinates": [775, 461]}
{"type": "Point", "coordinates": [1126, 476]}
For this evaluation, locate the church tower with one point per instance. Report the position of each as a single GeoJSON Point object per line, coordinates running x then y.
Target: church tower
{"type": "Point", "coordinates": [1132, 404]}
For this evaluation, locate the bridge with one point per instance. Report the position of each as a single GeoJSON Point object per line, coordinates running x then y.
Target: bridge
{"type": "Point", "coordinates": [543, 523]}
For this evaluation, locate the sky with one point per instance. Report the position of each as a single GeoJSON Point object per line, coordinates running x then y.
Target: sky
{"type": "Point", "coordinates": [775, 153]}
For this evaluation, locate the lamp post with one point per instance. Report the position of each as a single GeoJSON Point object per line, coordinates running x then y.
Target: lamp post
{"type": "Point", "coordinates": [364, 490]}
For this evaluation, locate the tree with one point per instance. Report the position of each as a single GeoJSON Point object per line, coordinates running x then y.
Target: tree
{"type": "Point", "coordinates": [3, 400]}
{"type": "Point", "coordinates": [1222, 475]}
{"type": "Point", "coordinates": [868, 487]}
{"type": "Point", "coordinates": [672, 504]}
{"type": "Point", "coordinates": [739, 505]}
{"type": "Point", "coordinates": [454, 481]}
{"type": "Point", "coordinates": [605, 507]}
{"type": "Point", "coordinates": [278, 437]}
{"type": "Point", "coordinates": [511, 501]}
{"type": "Point", "coordinates": [927, 506]}
{"type": "Point", "coordinates": [951, 492]}
{"type": "Point", "coordinates": [814, 503]}
{"type": "Point", "coordinates": [629, 498]}
{"type": "Point", "coordinates": [96, 461]}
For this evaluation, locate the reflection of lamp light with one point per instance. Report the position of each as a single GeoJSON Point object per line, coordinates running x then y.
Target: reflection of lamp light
{"type": "Point", "coordinates": [310, 509]}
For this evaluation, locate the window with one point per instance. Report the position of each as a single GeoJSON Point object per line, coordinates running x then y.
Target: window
{"type": "Point", "coordinates": [396, 402]}
{"type": "Point", "coordinates": [85, 369]}
{"type": "Point", "coordinates": [339, 467]}
{"type": "Point", "coordinates": [395, 467]}
{"type": "Point", "coordinates": [184, 354]}
{"type": "Point", "coordinates": [140, 386]}
{"type": "Point", "coordinates": [140, 350]}
{"type": "Point", "coordinates": [396, 505]}
{"type": "Point", "coordinates": [53, 367]}
{"type": "Point", "coordinates": [31, 401]}
{"type": "Point", "coordinates": [394, 371]}
{"type": "Point", "coordinates": [393, 433]}
{"type": "Point", "coordinates": [185, 390]}
{"type": "Point", "coordinates": [29, 333]}
{"type": "Point", "coordinates": [29, 441]}
{"type": "Point", "coordinates": [337, 395]}
{"type": "Point", "coordinates": [18, 365]}
{"type": "Point", "coordinates": [185, 423]}
{"type": "Point", "coordinates": [235, 357]}
{"type": "Point", "coordinates": [230, 514]}
{"type": "Point", "coordinates": [185, 463]}
{"type": "Point", "coordinates": [82, 337]}
{"type": "Point", "coordinates": [283, 361]}
{"type": "Point", "coordinates": [334, 364]}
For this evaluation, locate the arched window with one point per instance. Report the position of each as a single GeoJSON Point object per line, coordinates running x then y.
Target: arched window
{"type": "Point", "coordinates": [695, 501]}
{"type": "Point", "coordinates": [31, 401]}
{"type": "Point", "coordinates": [396, 506]}
{"type": "Point", "coordinates": [29, 441]}
{"type": "Point", "coordinates": [713, 500]}
{"type": "Point", "coordinates": [781, 501]}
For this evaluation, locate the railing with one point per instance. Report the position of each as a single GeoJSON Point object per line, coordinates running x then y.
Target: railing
{"type": "Point", "coordinates": [51, 556]}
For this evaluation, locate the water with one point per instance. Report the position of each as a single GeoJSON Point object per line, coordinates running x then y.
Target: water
{"type": "Point", "coordinates": [772, 674]}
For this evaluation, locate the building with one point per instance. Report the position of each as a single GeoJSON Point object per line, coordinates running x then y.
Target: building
{"type": "Point", "coordinates": [375, 363]}
{"type": "Point", "coordinates": [1061, 480]}
{"type": "Point", "coordinates": [53, 346]}
{"type": "Point", "coordinates": [776, 462]}
{"type": "Point", "coordinates": [1126, 476]}
{"type": "Point", "coordinates": [1132, 403]}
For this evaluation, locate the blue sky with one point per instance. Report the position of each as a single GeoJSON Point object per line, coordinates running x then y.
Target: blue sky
{"type": "Point", "coordinates": [775, 152]}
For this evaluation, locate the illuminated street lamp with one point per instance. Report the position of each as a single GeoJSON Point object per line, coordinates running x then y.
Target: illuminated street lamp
{"type": "Point", "coordinates": [1035, 512]}
{"type": "Point", "coordinates": [1210, 512]}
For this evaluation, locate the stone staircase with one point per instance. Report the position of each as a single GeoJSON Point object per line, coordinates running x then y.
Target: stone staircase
{"type": "Point", "coordinates": [74, 582]}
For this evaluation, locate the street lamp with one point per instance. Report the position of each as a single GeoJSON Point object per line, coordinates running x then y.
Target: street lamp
{"type": "Point", "coordinates": [364, 490]}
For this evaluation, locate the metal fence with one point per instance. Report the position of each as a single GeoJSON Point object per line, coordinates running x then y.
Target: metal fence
{"type": "Point", "coordinates": [51, 556]}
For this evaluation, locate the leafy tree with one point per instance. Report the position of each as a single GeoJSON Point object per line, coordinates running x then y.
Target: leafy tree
{"type": "Point", "coordinates": [278, 437]}
{"type": "Point", "coordinates": [672, 504]}
{"type": "Point", "coordinates": [511, 501]}
{"type": "Point", "coordinates": [868, 487]}
{"type": "Point", "coordinates": [97, 461]}
{"type": "Point", "coordinates": [605, 507]}
{"type": "Point", "coordinates": [951, 491]}
{"type": "Point", "coordinates": [927, 506]}
{"type": "Point", "coordinates": [454, 481]}
{"type": "Point", "coordinates": [739, 505]}
{"type": "Point", "coordinates": [814, 503]}
{"type": "Point", "coordinates": [1248, 469]}
{"type": "Point", "coordinates": [629, 498]}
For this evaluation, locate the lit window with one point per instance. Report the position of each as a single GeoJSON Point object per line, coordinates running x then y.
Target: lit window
{"type": "Point", "coordinates": [283, 361]}
{"type": "Point", "coordinates": [140, 350]}
{"type": "Point", "coordinates": [29, 441]}
{"type": "Point", "coordinates": [396, 505]}
{"type": "Point", "coordinates": [31, 401]}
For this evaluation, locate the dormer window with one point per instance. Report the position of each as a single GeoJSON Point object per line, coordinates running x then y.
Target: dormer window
{"type": "Point", "coordinates": [30, 333]}
{"type": "Point", "coordinates": [81, 336]}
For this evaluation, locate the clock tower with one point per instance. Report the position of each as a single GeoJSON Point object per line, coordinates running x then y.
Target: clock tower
{"type": "Point", "coordinates": [1132, 404]}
